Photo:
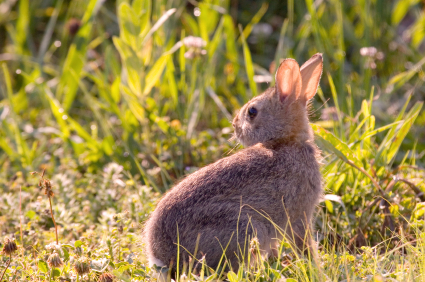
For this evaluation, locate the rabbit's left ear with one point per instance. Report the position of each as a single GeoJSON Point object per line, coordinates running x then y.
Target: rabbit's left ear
{"type": "Point", "coordinates": [311, 71]}
{"type": "Point", "coordinates": [288, 80]}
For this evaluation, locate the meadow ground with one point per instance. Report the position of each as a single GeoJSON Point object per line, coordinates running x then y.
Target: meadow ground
{"type": "Point", "coordinates": [111, 102]}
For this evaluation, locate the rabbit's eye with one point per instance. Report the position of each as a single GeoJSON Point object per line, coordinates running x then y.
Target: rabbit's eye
{"type": "Point", "coordinates": [252, 112]}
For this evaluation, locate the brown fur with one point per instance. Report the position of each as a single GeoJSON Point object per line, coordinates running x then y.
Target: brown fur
{"type": "Point", "coordinates": [275, 180]}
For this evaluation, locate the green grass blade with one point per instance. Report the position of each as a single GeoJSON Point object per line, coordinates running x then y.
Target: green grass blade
{"type": "Point", "coordinates": [58, 113]}
{"type": "Point", "coordinates": [386, 143]}
{"type": "Point", "coordinates": [208, 19]}
{"type": "Point", "coordinates": [280, 52]}
{"type": "Point", "coordinates": [132, 65]}
{"type": "Point", "coordinates": [158, 24]}
{"type": "Point", "coordinates": [257, 17]}
{"type": "Point", "coordinates": [400, 10]}
{"type": "Point", "coordinates": [152, 77]}
{"type": "Point", "coordinates": [49, 32]}
{"type": "Point", "coordinates": [333, 144]}
{"type": "Point", "coordinates": [402, 78]}
{"type": "Point", "coordinates": [354, 134]}
{"type": "Point", "coordinates": [217, 39]}
{"type": "Point", "coordinates": [335, 99]}
{"type": "Point", "coordinates": [402, 132]}
{"type": "Point", "coordinates": [8, 149]}
{"type": "Point", "coordinates": [374, 132]}
{"type": "Point", "coordinates": [129, 23]}
{"type": "Point", "coordinates": [249, 67]}
{"type": "Point", "coordinates": [418, 32]}
{"type": "Point", "coordinates": [21, 146]}
{"type": "Point", "coordinates": [22, 26]}
{"type": "Point", "coordinates": [230, 39]}
{"type": "Point", "coordinates": [76, 58]}
{"type": "Point", "coordinates": [172, 84]}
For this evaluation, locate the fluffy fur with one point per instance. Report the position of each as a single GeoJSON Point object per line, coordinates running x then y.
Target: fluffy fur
{"type": "Point", "coordinates": [273, 184]}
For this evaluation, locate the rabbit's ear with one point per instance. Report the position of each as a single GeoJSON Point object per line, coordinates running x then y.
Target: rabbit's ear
{"type": "Point", "coordinates": [311, 71]}
{"type": "Point", "coordinates": [288, 80]}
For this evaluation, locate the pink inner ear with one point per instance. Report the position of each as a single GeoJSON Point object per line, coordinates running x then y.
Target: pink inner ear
{"type": "Point", "coordinates": [311, 71]}
{"type": "Point", "coordinates": [285, 88]}
{"type": "Point", "coordinates": [288, 79]}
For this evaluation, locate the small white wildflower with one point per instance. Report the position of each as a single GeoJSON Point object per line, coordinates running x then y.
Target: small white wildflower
{"type": "Point", "coordinates": [197, 12]}
{"type": "Point", "coordinates": [53, 246]}
{"type": "Point", "coordinates": [195, 45]}
{"type": "Point", "coordinates": [119, 182]}
{"type": "Point", "coordinates": [154, 170]}
{"type": "Point", "coordinates": [368, 51]}
{"type": "Point", "coordinates": [194, 42]}
{"type": "Point", "coordinates": [113, 168]}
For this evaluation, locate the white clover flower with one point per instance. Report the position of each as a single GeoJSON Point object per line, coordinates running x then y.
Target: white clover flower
{"type": "Point", "coordinates": [195, 45]}
{"type": "Point", "coordinates": [194, 42]}
{"type": "Point", "coordinates": [53, 246]}
{"type": "Point", "coordinates": [368, 51]}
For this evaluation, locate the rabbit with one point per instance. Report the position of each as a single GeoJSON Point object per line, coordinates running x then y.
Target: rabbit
{"type": "Point", "coordinates": [268, 189]}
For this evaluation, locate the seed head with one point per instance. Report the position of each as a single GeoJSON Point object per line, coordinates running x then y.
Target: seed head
{"type": "Point", "coordinates": [9, 246]}
{"type": "Point", "coordinates": [48, 188]}
{"type": "Point", "coordinates": [82, 266]}
{"type": "Point", "coordinates": [44, 183]}
{"type": "Point", "coordinates": [254, 245]}
{"type": "Point", "coordinates": [54, 260]}
{"type": "Point", "coordinates": [106, 277]}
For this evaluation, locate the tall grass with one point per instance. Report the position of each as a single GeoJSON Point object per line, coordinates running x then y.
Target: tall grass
{"type": "Point", "coordinates": [87, 83]}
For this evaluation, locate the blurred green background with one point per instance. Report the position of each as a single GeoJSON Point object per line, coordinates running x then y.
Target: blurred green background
{"type": "Point", "coordinates": [148, 88]}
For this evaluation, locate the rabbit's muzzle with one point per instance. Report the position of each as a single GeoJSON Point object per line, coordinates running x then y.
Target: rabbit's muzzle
{"type": "Point", "coordinates": [236, 126]}
{"type": "Point", "coordinates": [235, 120]}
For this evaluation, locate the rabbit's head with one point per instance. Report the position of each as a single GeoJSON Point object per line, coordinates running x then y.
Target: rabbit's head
{"type": "Point", "coordinates": [280, 113]}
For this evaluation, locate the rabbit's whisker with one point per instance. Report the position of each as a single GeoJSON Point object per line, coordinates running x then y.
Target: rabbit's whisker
{"type": "Point", "coordinates": [232, 138]}
{"type": "Point", "coordinates": [311, 113]}
{"type": "Point", "coordinates": [233, 149]}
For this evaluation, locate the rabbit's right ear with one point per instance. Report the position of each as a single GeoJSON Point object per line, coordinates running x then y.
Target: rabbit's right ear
{"type": "Point", "coordinates": [311, 71]}
{"type": "Point", "coordinates": [288, 80]}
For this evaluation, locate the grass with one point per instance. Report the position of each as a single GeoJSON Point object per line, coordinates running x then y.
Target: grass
{"type": "Point", "coordinates": [116, 102]}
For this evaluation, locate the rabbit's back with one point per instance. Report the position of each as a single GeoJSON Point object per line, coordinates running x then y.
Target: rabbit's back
{"type": "Point", "coordinates": [221, 201]}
